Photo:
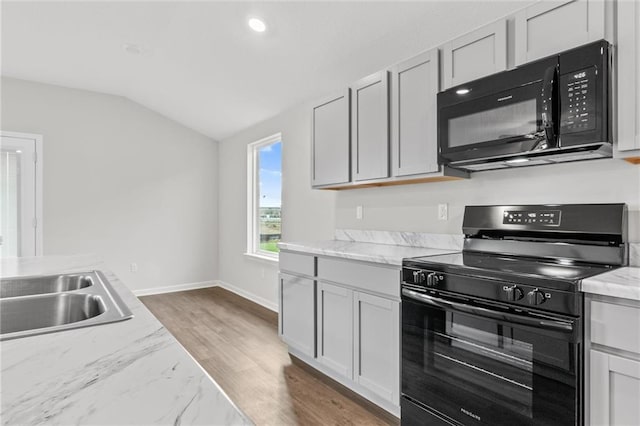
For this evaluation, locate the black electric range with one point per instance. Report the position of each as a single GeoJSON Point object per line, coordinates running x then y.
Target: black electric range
{"type": "Point", "coordinates": [493, 335]}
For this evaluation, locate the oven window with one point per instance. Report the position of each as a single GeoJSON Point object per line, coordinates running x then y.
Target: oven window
{"type": "Point", "coordinates": [490, 361]}
{"type": "Point", "coordinates": [512, 120]}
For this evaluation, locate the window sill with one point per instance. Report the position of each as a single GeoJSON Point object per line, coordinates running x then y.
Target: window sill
{"type": "Point", "coordinates": [272, 260]}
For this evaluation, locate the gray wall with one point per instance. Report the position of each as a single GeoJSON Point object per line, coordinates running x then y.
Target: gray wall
{"type": "Point", "coordinates": [415, 207]}
{"type": "Point", "coordinates": [306, 214]}
{"type": "Point", "coordinates": [122, 182]}
{"type": "Point", "coordinates": [314, 214]}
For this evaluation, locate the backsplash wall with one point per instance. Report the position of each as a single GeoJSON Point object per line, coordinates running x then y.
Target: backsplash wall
{"type": "Point", "coordinates": [415, 207]}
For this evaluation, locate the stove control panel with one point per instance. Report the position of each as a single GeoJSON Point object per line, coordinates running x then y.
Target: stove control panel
{"type": "Point", "coordinates": [525, 217]}
{"type": "Point", "coordinates": [422, 278]}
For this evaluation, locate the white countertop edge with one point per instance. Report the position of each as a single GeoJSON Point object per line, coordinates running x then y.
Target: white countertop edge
{"type": "Point", "coordinates": [622, 283]}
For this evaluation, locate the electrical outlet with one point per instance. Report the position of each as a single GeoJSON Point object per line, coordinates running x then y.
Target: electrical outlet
{"type": "Point", "coordinates": [134, 267]}
{"type": "Point", "coordinates": [359, 212]}
{"type": "Point", "coordinates": [443, 212]}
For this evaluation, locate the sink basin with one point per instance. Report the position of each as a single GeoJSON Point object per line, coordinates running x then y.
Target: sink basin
{"type": "Point", "coordinates": [46, 304]}
{"type": "Point", "coordinates": [52, 310]}
{"type": "Point", "coordinates": [25, 286]}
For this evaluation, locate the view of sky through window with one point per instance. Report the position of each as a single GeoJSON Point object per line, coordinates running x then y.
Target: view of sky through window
{"type": "Point", "coordinates": [269, 195]}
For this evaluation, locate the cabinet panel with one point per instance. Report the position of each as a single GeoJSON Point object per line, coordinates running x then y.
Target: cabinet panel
{"type": "Point", "coordinates": [330, 149]}
{"type": "Point", "coordinates": [628, 79]}
{"type": "Point", "coordinates": [370, 132]}
{"type": "Point", "coordinates": [371, 278]}
{"type": "Point", "coordinates": [615, 390]}
{"type": "Point", "coordinates": [546, 28]}
{"type": "Point", "coordinates": [377, 345]}
{"type": "Point", "coordinates": [615, 326]}
{"type": "Point", "coordinates": [297, 313]}
{"type": "Point", "coordinates": [475, 54]}
{"type": "Point", "coordinates": [335, 328]}
{"type": "Point", "coordinates": [414, 135]}
{"type": "Point", "coordinates": [297, 263]}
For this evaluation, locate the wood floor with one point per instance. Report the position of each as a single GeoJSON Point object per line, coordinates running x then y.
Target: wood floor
{"type": "Point", "coordinates": [236, 341]}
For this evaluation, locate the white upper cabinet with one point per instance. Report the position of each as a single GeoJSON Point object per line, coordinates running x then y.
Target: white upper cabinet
{"type": "Point", "coordinates": [370, 127]}
{"type": "Point", "coordinates": [628, 79]}
{"type": "Point", "coordinates": [475, 54]}
{"type": "Point", "coordinates": [330, 141]}
{"type": "Point", "coordinates": [414, 135]}
{"type": "Point", "coordinates": [549, 27]}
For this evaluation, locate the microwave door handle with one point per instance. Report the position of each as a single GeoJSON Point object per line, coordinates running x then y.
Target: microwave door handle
{"type": "Point", "coordinates": [547, 323]}
{"type": "Point", "coordinates": [549, 104]}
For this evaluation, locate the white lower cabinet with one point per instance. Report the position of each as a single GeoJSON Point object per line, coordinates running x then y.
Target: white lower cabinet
{"type": "Point", "coordinates": [335, 328]}
{"type": "Point", "coordinates": [615, 390]}
{"type": "Point", "coordinates": [342, 317]}
{"type": "Point", "coordinates": [297, 313]}
{"type": "Point", "coordinates": [376, 345]}
{"type": "Point", "coordinates": [613, 355]}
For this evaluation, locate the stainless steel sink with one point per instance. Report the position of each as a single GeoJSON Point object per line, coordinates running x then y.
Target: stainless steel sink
{"type": "Point", "coordinates": [38, 285]}
{"type": "Point", "coordinates": [45, 304]}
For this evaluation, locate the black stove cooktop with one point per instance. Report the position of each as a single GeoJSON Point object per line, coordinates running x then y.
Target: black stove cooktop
{"type": "Point", "coordinates": [510, 268]}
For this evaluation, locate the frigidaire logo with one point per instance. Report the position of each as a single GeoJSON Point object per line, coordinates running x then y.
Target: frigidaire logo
{"type": "Point", "coordinates": [470, 414]}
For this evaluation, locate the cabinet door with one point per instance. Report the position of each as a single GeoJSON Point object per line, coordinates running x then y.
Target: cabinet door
{"type": "Point", "coordinates": [475, 54]}
{"type": "Point", "coordinates": [414, 134]}
{"type": "Point", "coordinates": [615, 390]}
{"type": "Point", "coordinates": [628, 81]}
{"type": "Point", "coordinates": [330, 141]}
{"type": "Point", "coordinates": [335, 328]}
{"type": "Point", "coordinates": [546, 28]}
{"type": "Point", "coordinates": [297, 313]}
{"type": "Point", "coordinates": [370, 131]}
{"type": "Point", "coordinates": [377, 345]}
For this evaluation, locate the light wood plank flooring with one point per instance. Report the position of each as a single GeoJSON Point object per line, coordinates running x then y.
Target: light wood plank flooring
{"type": "Point", "coordinates": [236, 341]}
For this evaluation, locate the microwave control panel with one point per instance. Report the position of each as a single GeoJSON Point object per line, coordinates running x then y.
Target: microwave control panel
{"type": "Point", "coordinates": [578, 101]}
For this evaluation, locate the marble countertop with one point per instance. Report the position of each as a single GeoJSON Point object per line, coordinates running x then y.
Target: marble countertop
{"type": "Point", "coordinates": [622, 282]}
{"type": "Point", "coordinates": [129, 372]}
{"type": "Point", "coordinates": [368, 252]}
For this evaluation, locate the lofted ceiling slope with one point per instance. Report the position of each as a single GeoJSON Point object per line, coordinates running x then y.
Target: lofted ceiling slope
{"type": "Point", "coordinates": [202, 66]}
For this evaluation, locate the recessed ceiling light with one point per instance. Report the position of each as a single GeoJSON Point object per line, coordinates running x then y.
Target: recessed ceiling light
{"type": "Point", "coordinates": [463, 91]}
{"type": "Point", "coordinates": [257, 25]}
{"type": "Point", "coordinates": [133, 49]}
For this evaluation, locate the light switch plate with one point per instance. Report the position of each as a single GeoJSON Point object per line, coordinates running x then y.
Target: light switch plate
{"type": "Point", "coordinates": [359, 212]}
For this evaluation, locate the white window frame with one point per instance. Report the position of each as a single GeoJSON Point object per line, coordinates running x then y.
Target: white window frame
{"type": "Point", "coordinates": [36, 142]}
{"type": "Point", "coordinates": [253, 192]}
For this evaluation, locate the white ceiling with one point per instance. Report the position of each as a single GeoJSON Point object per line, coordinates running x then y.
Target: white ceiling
{"type": "Point", "coordinates": [205, 68]}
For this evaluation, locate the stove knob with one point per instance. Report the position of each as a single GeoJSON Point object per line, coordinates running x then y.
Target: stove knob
{"type": "Point", "coordinates": [419, 277]}
{"type": "Point", "coordinates": [535, 297]}
{"type": "Point", "coordinates": [433, 279]}
{"type": "Point", "coordinates": [513, 293]}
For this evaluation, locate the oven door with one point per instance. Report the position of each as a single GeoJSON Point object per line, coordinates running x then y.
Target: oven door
{"type": "Point", "coordinates": [477, 364]}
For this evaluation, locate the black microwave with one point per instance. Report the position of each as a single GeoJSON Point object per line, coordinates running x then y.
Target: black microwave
{"type": "Point", "coordinates": [552, 110]}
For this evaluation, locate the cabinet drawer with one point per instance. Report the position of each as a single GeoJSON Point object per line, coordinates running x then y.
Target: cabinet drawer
{"type": "Point", "coordinates": [370, 278]}
{"type": "Point", "coordinates": [297, 263]}
{"type": "Point", "coordinates": [615, 326]}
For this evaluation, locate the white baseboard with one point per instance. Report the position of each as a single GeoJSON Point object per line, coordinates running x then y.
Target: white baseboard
{"type": "Point", "coordinates": [247, 295]}
{"type": "Point", "coordinates": [174, 288]}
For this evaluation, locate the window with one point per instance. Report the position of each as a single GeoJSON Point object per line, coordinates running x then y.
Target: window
{"type": "Point", "coordinates": [264, 196]}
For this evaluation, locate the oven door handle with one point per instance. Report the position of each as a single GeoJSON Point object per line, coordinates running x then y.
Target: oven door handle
{"type": "Point", "coordinates": [548, 324]}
